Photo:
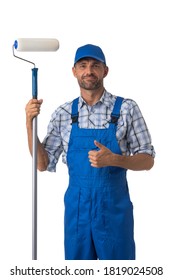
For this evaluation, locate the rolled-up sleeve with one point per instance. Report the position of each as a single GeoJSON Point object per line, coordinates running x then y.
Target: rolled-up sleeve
{"type": "Point", "coordinates": [133, 133]}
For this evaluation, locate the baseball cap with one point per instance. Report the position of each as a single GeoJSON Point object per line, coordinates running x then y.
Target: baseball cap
{"type": "Point", "coordinates": [90, 50]}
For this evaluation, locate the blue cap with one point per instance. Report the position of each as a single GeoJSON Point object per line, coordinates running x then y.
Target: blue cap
{"type": "Point", "coordinates": [91, 51]}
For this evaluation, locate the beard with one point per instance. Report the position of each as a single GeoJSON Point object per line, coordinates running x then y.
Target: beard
{"type": "Point", "coordinates": [89, 82]}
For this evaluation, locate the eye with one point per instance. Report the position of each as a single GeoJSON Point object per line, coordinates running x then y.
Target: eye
{"type": "Point", "coordinates": [82, 65]}
{"type": "Point", "coordinates": [96, 65]}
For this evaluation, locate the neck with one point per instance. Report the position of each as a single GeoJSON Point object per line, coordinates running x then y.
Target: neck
{"type": "Point", "coordinates": [91, 97]}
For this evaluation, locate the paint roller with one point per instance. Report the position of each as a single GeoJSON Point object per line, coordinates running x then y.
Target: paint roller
{"type": "Point", "coordinates": [34, 45]}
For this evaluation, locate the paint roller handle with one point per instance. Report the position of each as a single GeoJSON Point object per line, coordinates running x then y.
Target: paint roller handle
{"type": "Point", "coordinates": [34, 83]}
{"type": "Point", "coordinates": [34, 170]}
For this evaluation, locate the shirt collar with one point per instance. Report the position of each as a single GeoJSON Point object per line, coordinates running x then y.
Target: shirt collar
{"type": "Point", "coordinates": [105, 99]}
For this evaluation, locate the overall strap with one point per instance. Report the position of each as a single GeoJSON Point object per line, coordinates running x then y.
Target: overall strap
{"type": "Point", "coordinates": [116, 110]}
{"type": "Point", "coordinates": [74, 112]}
{"type": "Point", "coordinates": [114, 116]}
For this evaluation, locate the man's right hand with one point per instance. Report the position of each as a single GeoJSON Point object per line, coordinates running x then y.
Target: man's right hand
{"type": "Point", "coordinates": [32, 108]}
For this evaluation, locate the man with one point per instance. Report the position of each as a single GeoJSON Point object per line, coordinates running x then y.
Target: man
{"type": "Point", "coordinates": [101, 136]}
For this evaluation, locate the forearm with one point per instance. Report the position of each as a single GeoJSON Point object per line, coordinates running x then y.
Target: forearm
{"type": "Point", "coordinates": [135, 162]}
{"type": "Point", "coordinates": [42, 156]}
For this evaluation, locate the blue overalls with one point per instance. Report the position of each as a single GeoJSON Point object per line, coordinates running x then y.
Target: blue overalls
{"type": "Point", "coordinates": [98, 210]}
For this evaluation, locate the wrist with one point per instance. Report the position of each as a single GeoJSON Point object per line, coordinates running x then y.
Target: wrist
{"type": "Point", "coordinates": [28, 123]}
{"type": "Point", "coordinates": [119, 160]}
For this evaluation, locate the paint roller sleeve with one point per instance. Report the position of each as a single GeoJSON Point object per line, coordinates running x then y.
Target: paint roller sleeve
{"type": "Point", "coordinates": [36, 45]}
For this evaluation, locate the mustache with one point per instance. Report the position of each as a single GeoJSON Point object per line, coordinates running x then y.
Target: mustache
{"type": "Point", "coordinates": [89, 75]}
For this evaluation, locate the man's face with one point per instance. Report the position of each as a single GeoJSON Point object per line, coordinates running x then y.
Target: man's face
{"type": "Point", "coordinates": [90, 73]}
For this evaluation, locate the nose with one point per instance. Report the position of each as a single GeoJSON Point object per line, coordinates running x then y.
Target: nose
{"type": "Point", "coordinates": [89, 69]}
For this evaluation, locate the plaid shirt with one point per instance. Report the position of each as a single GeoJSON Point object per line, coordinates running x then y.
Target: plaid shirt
{"type": "Point", "coordinates": [132, 132]}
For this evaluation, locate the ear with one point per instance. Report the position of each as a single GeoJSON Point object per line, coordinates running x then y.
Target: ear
{"type": "Point", "coordinates": [106, 70]}
{"type": "Point", "coordinates": [74, 71]}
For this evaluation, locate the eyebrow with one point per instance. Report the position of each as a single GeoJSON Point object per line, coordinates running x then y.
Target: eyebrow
{"type": "Point", "coordinates": [85, 60]}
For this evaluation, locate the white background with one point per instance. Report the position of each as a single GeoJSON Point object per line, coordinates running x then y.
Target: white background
{"type": "Point", "coordinates": [136, 37]}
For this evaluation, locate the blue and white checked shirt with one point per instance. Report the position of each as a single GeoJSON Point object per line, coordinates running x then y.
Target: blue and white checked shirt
{"type": "Point", "coordinates": [132, 132]}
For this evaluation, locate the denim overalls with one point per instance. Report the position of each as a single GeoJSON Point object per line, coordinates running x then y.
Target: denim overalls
{"type": "Point", "coordinates": [98, 210]}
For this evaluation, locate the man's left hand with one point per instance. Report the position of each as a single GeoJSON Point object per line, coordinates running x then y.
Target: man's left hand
{"type": "Point", "coordinates": [100, 158]}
